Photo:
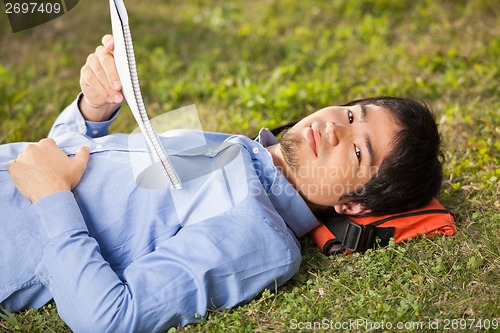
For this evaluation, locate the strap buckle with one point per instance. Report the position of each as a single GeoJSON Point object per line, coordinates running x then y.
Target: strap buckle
{"type": "Point", "coordinates": [358, 237]}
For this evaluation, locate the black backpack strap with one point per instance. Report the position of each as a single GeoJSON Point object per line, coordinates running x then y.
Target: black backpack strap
{"type": "Point", "coordinates": [276, 131]}
{"type": "Point", "coordinates": [355, 237]}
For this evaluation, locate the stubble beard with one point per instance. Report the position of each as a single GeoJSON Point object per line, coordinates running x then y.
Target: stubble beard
{"type": "Point", "coordinates": [289, 145]}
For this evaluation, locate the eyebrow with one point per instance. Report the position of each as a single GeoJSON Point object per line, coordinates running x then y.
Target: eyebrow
{"type": "Point", "coordinates": [363, 111]}
{"type": "Point", "coordinates": [369, 147]}
{"type": "Point", "coordinates": [368, 141]}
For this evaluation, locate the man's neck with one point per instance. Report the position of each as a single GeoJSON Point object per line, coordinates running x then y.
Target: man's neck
{"type": "Point", "coordinates": [279, 162]}
{"type": "Point", "coordinates": [278, 159]}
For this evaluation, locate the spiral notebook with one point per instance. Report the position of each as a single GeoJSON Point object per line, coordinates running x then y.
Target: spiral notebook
{"type": "Point", "coordinates": [127, 70]}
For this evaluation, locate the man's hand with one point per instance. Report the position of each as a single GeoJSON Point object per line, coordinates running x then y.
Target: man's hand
{"type": "Point", "coordinates": [100, 83]}
{"type": "Point", "coordinates": [43, 169]}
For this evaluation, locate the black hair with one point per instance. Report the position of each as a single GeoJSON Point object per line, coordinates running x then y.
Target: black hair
{"type": "Point", "coordinates": [411, 173]}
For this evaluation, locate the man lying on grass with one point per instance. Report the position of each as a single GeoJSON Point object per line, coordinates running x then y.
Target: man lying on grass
{"type": "Point", "coordinates": [116, 256]}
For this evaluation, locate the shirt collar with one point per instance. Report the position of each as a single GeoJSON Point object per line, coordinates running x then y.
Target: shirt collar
{"type": "Point", "coordinates": [266, 138]}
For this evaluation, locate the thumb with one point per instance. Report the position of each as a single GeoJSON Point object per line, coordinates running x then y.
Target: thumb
{"type": "Point", "coordinates": [81, 158]}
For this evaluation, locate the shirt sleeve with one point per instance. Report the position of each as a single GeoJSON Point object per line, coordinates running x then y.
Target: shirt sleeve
{"type": "Point", "coordinates": [71, 120]}
{"type": "Point", "coordinates": [219, 263]}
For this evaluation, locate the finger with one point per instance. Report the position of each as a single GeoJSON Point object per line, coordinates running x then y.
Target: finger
{"type": "Point", "coordinates": [47, 142]}
{"type": "Point", "coordinates": [93, 92]}
{"type": "Point", "coordinates": [80, 161]}
{"type": "Point", "coordinates": [29, 149]}
{"type": "Point", "coordinates": [101, 76]}
{"type": "Point", "coordinates": [107, 62]}
{"type": "Point", "coordinates": [91, 87]}
{"type": "Point", "coordinates": [108, 42]}
{"type": "Point", "coordinates": [19, 157]}
{"type": "Point", "coordinates": [82, 156]}
{"type": "Point", "coordinates": [11, 166]}
{"type": "Point", "coordinates": [44, 149]}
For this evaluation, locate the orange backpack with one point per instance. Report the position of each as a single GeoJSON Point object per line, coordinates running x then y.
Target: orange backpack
{"type": "Point", "coordinates": [345, 234]}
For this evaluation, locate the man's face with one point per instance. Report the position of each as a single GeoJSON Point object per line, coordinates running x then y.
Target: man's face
{"type": "Point", "coordinates": [336, 150]}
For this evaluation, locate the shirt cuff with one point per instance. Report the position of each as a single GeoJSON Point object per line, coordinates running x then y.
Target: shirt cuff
{"type": "Point", "coordinates": [71, 120]}
{"type": "Point", "coordinates": [98, 129]}
{"type": "Point", "coordinates": [57, 214]}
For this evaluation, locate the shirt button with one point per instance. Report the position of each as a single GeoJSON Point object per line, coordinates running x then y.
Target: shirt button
{"type": "Point", "coordinates": [255, 150]}
{"type": "Point", "coordinates": [208, 154]}
{"type": "Point", "coordinates": [95, 132]}
{"type": "Point", "coordinates": [98, 147]}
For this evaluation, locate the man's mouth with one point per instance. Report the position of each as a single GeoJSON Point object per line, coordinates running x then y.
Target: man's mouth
{"type": "Point", "coordinates": [311, 137]}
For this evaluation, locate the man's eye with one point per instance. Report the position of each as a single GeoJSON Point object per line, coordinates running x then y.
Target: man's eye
{"type": "Point", "coordinates": [358, 153]}
{"type": "Point", "coordinates": [350, 116]}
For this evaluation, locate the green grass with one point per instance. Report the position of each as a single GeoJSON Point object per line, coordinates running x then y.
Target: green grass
{"type": "Point", "coordinates": [247, 64]}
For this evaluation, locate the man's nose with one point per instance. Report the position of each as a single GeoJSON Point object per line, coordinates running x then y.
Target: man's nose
{"type": "Point", "coordinates": [335, 132]}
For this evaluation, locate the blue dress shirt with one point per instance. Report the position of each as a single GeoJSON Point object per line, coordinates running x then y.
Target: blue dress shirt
{"type": "Point", "coordinates": [123, 252]}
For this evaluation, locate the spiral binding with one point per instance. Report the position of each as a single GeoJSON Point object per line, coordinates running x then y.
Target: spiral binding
{"type": "Point", "coordinates": [143, 119]}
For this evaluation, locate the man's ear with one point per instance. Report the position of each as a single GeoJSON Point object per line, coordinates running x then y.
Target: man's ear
{"type": "Point", "coordinates": [351, 208]}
